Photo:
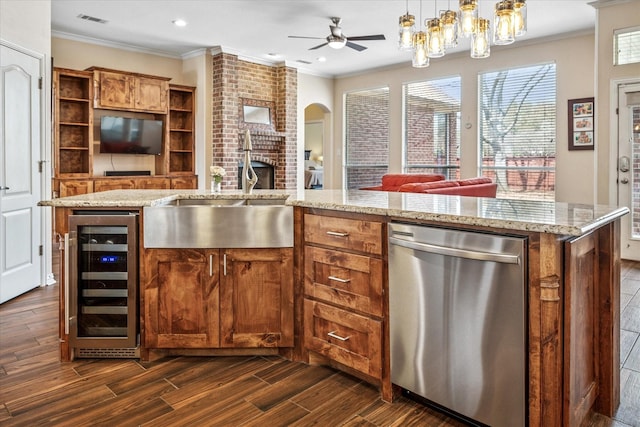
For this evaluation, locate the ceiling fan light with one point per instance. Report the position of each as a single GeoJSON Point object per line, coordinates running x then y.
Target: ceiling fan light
{"type": "Point", "coordinates": [504, 23]}
{"type": "Point", "coordinates": [468, 17]}
{"type": "Point", "coordinates": [406, 30]}
{"type": "Point", "coordinates": [480, 39]}
{"type": "Point", "coordinates": [435, 40]}
{"type": "Point", "coordinates": [336, 42]}
{"type": "Point", "coordinates": [420, 59]}
{"type": "Point", "coordinates": [449, 20]}
{"type": "Point", "coordinates": [520, 13]}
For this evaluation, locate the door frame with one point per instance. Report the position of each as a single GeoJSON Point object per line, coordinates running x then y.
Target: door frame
{"type": "Point", "coordinates": [614, 135]}
{"type": "Point", "coordinates": [45, 65]}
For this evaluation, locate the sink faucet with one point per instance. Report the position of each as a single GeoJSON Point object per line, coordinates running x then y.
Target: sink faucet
{"type": "Point", "coordinates": [249, 177]}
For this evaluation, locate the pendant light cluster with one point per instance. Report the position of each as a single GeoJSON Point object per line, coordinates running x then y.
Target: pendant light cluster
{"type": "Point", "coordinates": [442, 32]}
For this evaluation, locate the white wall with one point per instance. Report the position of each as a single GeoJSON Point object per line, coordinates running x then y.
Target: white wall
{"type": "Point", "coordinates": [316, 90]}
{"type": "Point", "coordinates": [575, 80]}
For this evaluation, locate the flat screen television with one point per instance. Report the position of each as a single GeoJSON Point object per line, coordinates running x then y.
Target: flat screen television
{"type": "Point", "coordinates": [123, 135]}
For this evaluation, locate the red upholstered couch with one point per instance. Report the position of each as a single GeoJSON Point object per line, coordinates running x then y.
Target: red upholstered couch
{"type": "Point", "coordinates": [393, 181]}
{"type": "Point", "coordinates": [436, 184]}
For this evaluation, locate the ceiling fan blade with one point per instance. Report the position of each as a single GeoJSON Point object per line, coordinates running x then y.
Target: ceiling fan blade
{"type": "Point", "coordinates": [305, 37]}
{"type": "Point", "coordinates": [371, 37]}
{"type": "Point", "coordinates": [318, 47]}
{"type": "Point", "coordinates": [357, 47]}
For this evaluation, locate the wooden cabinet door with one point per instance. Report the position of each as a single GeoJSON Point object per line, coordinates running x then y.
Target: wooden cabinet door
{"type": "Point", "coordinates": [151, 95]}
{"type": "Point", "coordinates": [182, 183]}
{"type": "Point", "coordinates": [156, 183]}
{"type": "Point", "coordinates": [75, 187]}
{"type": "Point", "coordinates": [114, 90]}
{"type": "Point", "coordinates": [181, 298]}
{"type": "Point", "coordinates": [113, 184]}
{"type": "Point", "coordinates": [256, 297]}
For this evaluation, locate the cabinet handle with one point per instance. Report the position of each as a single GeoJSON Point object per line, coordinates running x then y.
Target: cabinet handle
{"type": "Point", "coordinates": [332, 334]}
{"type": "Point", "coordinates": [210, 265]}
{"type": "Point", "coordinates": [337, 279]}
{"type": "Point", "coordinates": [337, 234]}
{"type": "Point", "coordinates": [66, 283]}
{"type": "Point", "coordinates": [224, 264]}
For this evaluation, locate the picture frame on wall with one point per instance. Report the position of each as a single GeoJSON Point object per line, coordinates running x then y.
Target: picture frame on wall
{"type": "Point", "coordinates": [581, 124]}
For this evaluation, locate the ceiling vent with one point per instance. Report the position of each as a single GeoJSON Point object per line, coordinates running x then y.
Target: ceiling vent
{"type": "Point", "coordinates": [302, 61]}
{"type": "Point", "coordinates": [92, 19]}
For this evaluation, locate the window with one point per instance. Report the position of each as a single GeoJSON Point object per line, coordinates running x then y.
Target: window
{"type": "Point", "coordinates": [367, 137]}
{"type": "Point", "coordinates": [432, 127]}
{"type": "Point", "coordinates": [626, 49]}
{"type": "Point", "coordinates": [518, 131]}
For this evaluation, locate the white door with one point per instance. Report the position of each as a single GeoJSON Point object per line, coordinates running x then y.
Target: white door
{"type": "Point", "coordinates": [629, 167]}
{"type": "Point", "coordinates": [20, 143]}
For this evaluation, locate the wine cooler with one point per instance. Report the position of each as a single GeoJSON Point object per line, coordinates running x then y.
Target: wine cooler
{"type": "Point", "coordinates": [102, 285]}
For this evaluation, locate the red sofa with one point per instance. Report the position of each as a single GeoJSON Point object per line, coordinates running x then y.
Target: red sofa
{"type": "Point", "coordinates": [436, 184]}
{"type": "Point", "coordinates": [393, 181]}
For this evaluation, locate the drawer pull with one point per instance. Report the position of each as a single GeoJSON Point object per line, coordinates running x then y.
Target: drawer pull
{"type": "Point", "coordinates": [337, 234]}
{"type": "Point", "coordinates": [337, 279]}
{"type": "Point", "coordinates": [332, 334]}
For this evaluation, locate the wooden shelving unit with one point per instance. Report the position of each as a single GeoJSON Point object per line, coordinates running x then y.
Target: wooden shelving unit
{"type": "Point", "coordinates": [180, 136]}
{"type": "Point", "coordinates": [73, 122]}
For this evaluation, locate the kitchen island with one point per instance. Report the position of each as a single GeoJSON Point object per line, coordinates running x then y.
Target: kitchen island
{"type": "Point", "coordinates": [572, 283]}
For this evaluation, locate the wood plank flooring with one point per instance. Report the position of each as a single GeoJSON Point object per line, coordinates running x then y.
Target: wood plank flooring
{"type": "Point", "coordinates": [36, 389]}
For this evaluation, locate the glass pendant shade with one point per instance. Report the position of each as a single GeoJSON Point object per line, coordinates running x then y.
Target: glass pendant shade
{"type": "Point", "coordinates": [435, 39]}
{"type": "Point", "coordinates": [449, 21]}
{"type": "Point", "coordinates": [504, 20]}
{"type": "Point", "coordinates": [520, 16]}
{"type": "Point", "coordinates": [420, 58]}
{"type": "Point", "coordinates": [406, 30]}
{"type": "Point", "coordinates": [480, 40]}
{"type": "Point", "coordinates": [468, 17]}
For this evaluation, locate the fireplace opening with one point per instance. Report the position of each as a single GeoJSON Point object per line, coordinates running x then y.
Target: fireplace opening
{"type": "Point", "coordinates": [264, 171]}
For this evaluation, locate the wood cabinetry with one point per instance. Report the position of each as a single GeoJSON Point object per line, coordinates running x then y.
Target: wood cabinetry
{"type": "Point", "coordinates": [179, 158]}
{"type": "Point", "coordinates": [73, 122]}
{"type": "Point", "coordinates": [181, 298]}
{"type": "Point", "coordinates": [257, 298]}
{"type": "Point", "coordinates": [117, 90]}
{"type": "Point", "coordinates": [344, 278]}
{"type": "Point", "coordinates": [212, 298]}
{"type": "Point", "coordinates": [78, 93]}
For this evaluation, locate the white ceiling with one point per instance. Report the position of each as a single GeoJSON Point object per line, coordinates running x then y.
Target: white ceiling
{"type": "Point", "coordinates": [256, 28]}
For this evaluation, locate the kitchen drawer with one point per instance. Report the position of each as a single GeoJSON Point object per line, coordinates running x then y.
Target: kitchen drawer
{"type": "Point", "coordinates": [352, 234]}
{"type": "Point", "coordinates": [350, 280]}
{"type": "Point", "coordinates": [347, 338]}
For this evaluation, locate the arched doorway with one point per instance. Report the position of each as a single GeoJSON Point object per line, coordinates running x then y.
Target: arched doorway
{"type": "Point", "coordinates": [316, 142]}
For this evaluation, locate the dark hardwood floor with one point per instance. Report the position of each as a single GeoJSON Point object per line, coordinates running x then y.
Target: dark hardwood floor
{"type": "Point", "coordinates": [36, 389]}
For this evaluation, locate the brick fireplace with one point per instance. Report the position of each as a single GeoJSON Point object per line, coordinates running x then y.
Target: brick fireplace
{"type": "Point", "coordinates": [236, 82]}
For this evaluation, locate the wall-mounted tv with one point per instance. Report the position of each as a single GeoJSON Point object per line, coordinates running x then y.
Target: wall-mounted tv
{"type": "Point", "coordinates": [123, 135]}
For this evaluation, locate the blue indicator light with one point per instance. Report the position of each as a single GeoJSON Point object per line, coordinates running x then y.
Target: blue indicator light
{"type": "Point", "coordinates": [107, 259]}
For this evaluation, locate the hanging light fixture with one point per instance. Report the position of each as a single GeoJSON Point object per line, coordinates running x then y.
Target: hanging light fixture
{"type": "Point", "coordinates": [420, 58]}
{"type": "Point", "coordinates": [435, 41]}
{"type": "Point", "coordinates": [468, 16]}
{"type": "Point", "coordinates": [449, 21]}
{"type": "Point", "coordinates": [481, 39]}
{"type": "Point", "coordinates": [504, 20]}
{"type": "Point", "coordinates": [520, 13]}
{"type": "Point", "coordinates": [406, 30]}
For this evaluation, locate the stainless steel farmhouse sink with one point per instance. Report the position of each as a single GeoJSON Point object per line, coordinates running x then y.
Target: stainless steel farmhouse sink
{"type": "Point", "coordinates": [226, 202]}
{"type": "Point", "coordinates": [219, 223]}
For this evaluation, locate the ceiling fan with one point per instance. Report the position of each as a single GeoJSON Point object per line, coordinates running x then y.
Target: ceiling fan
{"type": "Point", "coordinates": [337, 40]}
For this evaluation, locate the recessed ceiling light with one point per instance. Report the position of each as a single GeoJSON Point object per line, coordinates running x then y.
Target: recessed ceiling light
{"type": "Point", "coordinates": [180, 23]}
{"type": "Point", "coordinates": [322, 59]}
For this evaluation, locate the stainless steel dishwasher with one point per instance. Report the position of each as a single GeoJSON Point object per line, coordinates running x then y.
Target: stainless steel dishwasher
{"type": "Point", "coordinates": [457, 317]}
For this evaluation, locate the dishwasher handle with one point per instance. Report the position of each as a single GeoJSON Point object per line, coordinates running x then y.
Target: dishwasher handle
{"type": "Point", "coordinates": [454, 252]}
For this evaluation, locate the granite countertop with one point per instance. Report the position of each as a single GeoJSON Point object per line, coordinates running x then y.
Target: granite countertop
{"type": "Point", "coordinates": [524, 215]}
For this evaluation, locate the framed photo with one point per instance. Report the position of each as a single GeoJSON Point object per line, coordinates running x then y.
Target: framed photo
{"type": "Point", "coordinates": [581, 126]}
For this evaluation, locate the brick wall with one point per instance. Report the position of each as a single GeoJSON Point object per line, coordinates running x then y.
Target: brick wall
{"type": "Point", "coordinates": [235, 80]}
